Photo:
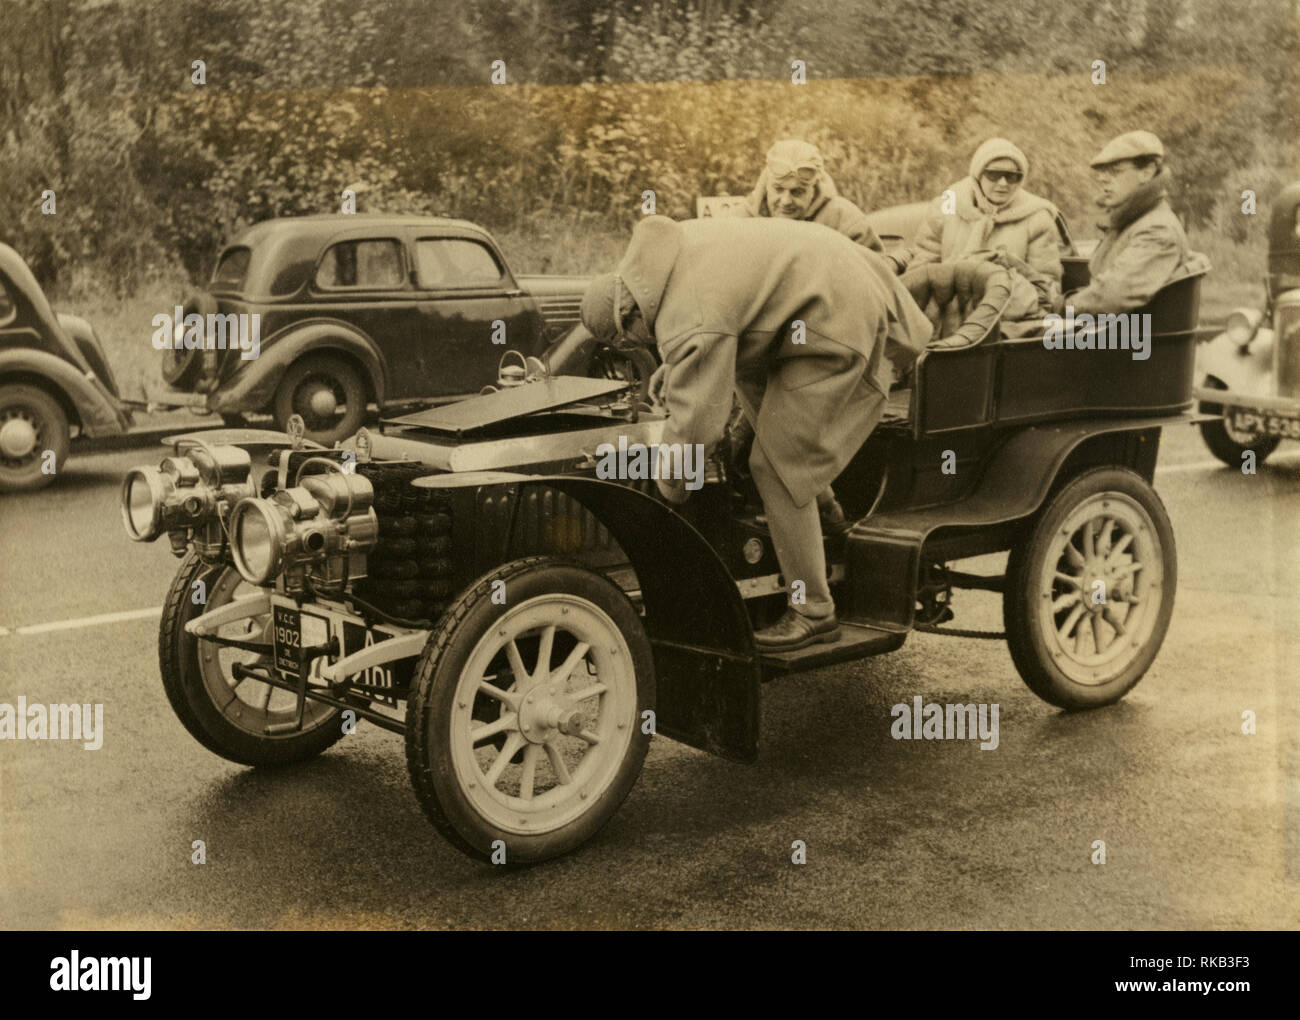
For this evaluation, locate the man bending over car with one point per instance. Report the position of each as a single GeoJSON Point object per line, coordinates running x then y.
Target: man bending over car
{"type": "Point", "coordinates": [797, 319]}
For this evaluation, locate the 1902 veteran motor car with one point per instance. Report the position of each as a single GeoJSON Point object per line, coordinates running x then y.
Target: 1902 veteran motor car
{"type": "Point", "coordinates": [1250, 373]}
{"type": "Point", "coordinates": [464, 578]}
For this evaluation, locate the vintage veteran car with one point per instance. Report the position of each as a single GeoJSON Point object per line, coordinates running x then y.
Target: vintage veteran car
{"type": "Point", "coordinates": [1250, 373]}
{"type": "Point", "coordinates": [467, 576]}
{"type": "Point", "coordinates": [358, 309]}
{"type": "Point", "coordinates": [54, 379]}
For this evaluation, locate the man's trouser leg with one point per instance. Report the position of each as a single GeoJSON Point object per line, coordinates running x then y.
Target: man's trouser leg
{"type": "Point", "coordinates": [797, 536]}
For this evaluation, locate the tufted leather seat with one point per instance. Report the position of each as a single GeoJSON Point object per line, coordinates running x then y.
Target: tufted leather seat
{"type": "Point", "coordinates": [964, 300]}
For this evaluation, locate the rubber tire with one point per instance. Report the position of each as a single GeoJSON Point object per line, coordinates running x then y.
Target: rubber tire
{"type": "Point", "coordinates": [180, 369]}
{"type": "Point", "coordinates": [640, 361]}
{"type": "Point", "coordinates": [433, 689]}
{"type": "Point", "coordinates": [1032, 659]}
{"type": "Point", "coordinates": [348, 379]}
{"type": "Point", "coordinates": [183, 683]}
{"type": "Point", "coordinates": [54, 434]}
{"type": "Point", "coordinates": [1223, 446]}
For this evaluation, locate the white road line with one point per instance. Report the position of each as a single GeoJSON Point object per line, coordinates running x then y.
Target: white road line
{"type": "Point", "coordinates": [89, 621]}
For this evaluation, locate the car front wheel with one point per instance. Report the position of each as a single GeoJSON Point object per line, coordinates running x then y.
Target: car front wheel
{"type": "Point", "coordinates": [1089, 596]}
{"type": "Point", "coordinates": [524, 727]}
{"type": "Point", "coordinates": [241, 719]}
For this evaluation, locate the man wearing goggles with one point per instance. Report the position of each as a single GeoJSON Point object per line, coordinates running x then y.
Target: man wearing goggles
{"type": "Point", "coordinates": [794, 185]}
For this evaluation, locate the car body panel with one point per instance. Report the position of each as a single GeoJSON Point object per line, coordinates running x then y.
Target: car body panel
{"type": "Point", "coordinates": [60, 352]}
{"type": "Point", "coordinates": [431, 340]}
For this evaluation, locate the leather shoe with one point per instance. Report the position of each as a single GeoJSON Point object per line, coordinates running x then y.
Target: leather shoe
{"type": "Point", "coordinates": [794, 630]}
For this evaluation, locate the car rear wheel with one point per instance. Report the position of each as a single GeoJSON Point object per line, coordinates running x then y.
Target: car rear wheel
{"type": "Point", "coordinates": [1227, 443]}
{"type": "Point", "coordinates": [1090, 594]}
{"type": "Point", "coordinates": [228, 715]}
{"type": "Point", "coordinates": [329, 394]}
{"type": "Point", "coordinates": [33, 425]}
{"type": "Point", "coordinates": [553, 657]}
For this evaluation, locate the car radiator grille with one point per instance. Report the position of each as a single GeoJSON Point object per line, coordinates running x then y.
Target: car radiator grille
{"type": "Point", "coordinates": [409, 569]}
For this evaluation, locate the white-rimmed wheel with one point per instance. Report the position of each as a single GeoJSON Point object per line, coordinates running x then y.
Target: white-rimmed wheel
{"type": "Point", "coordinates": [241, 719]}
{"type": "Point", "coordinates": [524, 721]}
{"type": "Point", "coordinates": [1090, 595]}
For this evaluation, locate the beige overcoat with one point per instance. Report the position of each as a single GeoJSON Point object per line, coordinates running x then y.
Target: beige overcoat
{"type": "Point", "coordinates": [795, 317]}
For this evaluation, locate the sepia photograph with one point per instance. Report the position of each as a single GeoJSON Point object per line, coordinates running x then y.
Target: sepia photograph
{"type": "Point", "coordinates": [673, 465]}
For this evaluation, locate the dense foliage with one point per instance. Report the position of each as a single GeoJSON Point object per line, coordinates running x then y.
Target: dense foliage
{"type": "Point", "coordinates": [601, 102]}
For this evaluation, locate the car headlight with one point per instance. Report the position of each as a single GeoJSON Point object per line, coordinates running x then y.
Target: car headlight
{"type": "Point", "coordinates": [322, 527]}
{"type": "Point", "coordinates": [185, 493]}
{"type": "Point", "coordinates": [259, 530]}
{"type": "Point", "coordinates": [1242, 325]}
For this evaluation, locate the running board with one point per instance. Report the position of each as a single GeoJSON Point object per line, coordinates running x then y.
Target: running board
{"type": "Point", "coordinates": [855, 642]}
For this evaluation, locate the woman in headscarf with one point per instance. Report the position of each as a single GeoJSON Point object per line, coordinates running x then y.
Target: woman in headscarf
{"type": "Point", "coordinates": [794, 185]}
{"type": "Point", "coordinates": [991, 216]}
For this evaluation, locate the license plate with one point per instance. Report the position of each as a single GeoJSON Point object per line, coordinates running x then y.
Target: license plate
{"type": "Point", "coordinates": [288, 641]}
{"type": "Point", "coordinates": [1261, 423]}
{"type": "Point", "coordinates": [294, 629]}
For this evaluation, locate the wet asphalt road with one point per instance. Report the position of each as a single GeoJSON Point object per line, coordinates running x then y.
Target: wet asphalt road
{"type": "Point", "coordinates": [1201, 822]}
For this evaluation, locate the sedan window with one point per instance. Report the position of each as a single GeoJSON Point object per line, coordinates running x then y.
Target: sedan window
{"type": "Point", "coordinates": [453, 262]}
{"type": "Point", "coordinates": [368, 264]}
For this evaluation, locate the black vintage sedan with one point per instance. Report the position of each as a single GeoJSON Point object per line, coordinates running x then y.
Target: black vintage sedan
{"type": "Point", "coordinates": [348, 310]}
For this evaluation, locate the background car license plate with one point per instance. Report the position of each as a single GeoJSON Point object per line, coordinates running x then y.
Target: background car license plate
{"type": "Point", "coordinates": [1261, 423]}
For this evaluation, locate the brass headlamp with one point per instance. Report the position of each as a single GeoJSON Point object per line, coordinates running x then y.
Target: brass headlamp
{"type": "Point", "coordinates": [318, 530]}
{"type": "Point", "coordinates": [188, 496]}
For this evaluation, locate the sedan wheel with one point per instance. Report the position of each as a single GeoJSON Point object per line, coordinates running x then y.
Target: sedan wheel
{"type": "Point", "coordinates": [33, 426]}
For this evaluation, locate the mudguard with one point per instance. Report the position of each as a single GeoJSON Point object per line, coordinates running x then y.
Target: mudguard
{"type": "Point", "coordinates": [1247, 374]}
{"type": "Point", "coordinates": [253, 386]}
{"type": "Point", "coordinates": [97, 410]}
{"type": "Point", "coordinates": [706, 666]}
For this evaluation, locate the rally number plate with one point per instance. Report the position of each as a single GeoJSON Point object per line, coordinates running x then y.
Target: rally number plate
{"type": "Point", "coordinates": [288, 641]}
{"type": "Point", "coordinates": [294, 629]}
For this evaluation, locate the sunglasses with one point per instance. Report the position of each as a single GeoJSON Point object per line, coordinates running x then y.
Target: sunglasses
{"type": "Point", "coordinates": [1009, 176]}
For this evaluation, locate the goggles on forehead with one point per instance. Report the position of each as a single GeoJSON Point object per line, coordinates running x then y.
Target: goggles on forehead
{"type": "Point", "coordinates": [804, 171]}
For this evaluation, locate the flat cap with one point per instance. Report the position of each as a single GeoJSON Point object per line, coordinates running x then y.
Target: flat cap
{"type": "Point", "coordinates": [1129, 146]}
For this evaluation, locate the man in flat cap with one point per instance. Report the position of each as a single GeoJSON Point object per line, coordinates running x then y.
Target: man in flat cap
{"type": "Point", "coordinates": [795, 318]}
{"type": "Point", "coordinates": [1143, 245]}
